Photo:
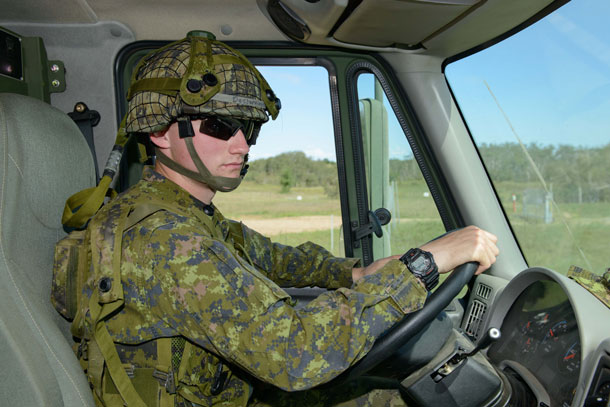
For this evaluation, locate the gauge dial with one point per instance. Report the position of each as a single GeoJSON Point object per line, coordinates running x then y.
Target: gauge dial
{"type": "Point", "coordinates": [529, 343]}
{"type": "Point", "coordinates": [570, 361]}
{"type": "Point", "coordinates": [553, 334]}
{"type": "Point", "coordinates": [542, 319]}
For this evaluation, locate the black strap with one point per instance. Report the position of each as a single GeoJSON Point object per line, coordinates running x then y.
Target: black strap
{"type": "Point", "coordinates": [86, 120]}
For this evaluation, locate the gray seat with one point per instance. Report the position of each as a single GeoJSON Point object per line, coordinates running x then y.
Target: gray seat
{"type": "Point", "coordinates": [44, 159]}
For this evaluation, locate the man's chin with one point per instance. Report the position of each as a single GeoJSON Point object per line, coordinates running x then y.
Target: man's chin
{"type": "Point", "coordinates": [233, 174]}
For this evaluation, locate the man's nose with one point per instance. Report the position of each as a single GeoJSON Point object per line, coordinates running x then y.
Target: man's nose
{"type": "Point", "coordinates": [238, 143]}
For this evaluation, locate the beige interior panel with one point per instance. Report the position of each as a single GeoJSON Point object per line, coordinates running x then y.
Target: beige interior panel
{"type": "Point", "coordinates": [157, 19]}
{"type": "Point", "coordinates": [483, 24]}
{"type": "Point", "coordinates": [37, 11]}
{"type": "Point", "coordinates": [384, 23]}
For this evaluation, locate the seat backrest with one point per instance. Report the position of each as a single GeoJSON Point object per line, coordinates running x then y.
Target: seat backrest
{"type": "Point", "coordinates": [43, 160]}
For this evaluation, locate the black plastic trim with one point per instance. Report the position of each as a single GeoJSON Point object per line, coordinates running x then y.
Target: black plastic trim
{"type": "Point", "coordinates": [448, 209]}
{"type": "Point", "coordinates": [362, 203]}
{"type": "Point", "coordinates": [351, 6]}
{"type": "Point", "coordinates": [341, 169]}
{"type": "Point", "coordinates": [450, 216]}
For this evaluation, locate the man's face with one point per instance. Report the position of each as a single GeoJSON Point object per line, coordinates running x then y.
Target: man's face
{"type": "Point", "coordinates": [223, 158]}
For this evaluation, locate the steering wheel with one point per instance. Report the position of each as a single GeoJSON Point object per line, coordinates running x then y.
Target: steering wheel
{"type": "Point", "coordinates": [414, 322]}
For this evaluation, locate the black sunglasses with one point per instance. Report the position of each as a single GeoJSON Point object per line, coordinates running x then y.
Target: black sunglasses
{"type": "Point", "coordinates": [224, 128]}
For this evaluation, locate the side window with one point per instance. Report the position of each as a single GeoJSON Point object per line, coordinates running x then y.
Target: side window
{"type": "Point", "coordinates": [291, 192]}
{"type": "Point", "coordinates": [394, 180]}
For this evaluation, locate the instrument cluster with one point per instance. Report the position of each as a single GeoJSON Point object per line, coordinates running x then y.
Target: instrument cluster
{"type": "Point", "coordinates": [541, 334]}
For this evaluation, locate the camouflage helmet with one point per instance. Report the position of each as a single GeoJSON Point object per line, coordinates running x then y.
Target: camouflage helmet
{"type": "Point", "coordinates": [196, 76]}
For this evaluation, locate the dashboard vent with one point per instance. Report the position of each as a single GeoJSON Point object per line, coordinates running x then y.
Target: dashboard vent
{"type": "Point", "coordinates": [475, 318]}
{"type": "Point", "coordinates": [483, 291]}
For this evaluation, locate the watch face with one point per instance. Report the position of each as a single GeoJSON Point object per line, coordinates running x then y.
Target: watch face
{"type": "Point", "coordinates": [420, 263]}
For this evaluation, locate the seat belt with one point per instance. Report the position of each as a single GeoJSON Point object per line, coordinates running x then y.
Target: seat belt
{"type": "Point", "coordinates": [86, 120]}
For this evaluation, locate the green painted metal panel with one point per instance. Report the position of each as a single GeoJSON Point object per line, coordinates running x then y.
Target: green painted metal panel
{"type": "Point", "coordinates": [39, 76]}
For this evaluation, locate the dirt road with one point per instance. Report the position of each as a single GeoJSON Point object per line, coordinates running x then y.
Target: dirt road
{"type": "Point", "coordinates": [273, 227]}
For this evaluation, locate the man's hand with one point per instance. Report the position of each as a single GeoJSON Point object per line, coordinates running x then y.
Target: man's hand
{"type": "Point", "coordinates": [454, 249]}
{"type": "Point", "coordinates": [463, 246]}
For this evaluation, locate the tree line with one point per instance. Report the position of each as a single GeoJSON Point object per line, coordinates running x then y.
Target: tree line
{"type": "Point", "coordinates": [295, 169]}
{"type": "Point", "coordinates": [575, 174]}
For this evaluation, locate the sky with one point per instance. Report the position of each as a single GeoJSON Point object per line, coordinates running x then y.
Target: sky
{"type": "Point", "coordinates": [305, 120]}
{"type": "Point", "coordinates": [552, 80]}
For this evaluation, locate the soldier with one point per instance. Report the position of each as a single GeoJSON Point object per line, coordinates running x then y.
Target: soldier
{"type": "Point", "coordinates": [183, 306]}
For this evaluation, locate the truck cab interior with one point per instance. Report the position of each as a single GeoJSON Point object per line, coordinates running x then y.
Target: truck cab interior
{"type": "Point", "coordinates": [434, 122]}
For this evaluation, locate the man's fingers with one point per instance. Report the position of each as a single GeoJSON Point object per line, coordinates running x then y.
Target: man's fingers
{"type": "Point", "coordinates": [489, 252]}
{"type": "Point", "coordinates": [468, 244]}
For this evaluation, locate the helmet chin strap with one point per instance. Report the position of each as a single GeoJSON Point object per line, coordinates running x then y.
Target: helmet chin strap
{"type": "Point", "coordinates": [203, 175]}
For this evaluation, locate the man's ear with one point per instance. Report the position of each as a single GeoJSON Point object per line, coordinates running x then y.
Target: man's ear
{"type": "Point", "coordinates": [160, 139]}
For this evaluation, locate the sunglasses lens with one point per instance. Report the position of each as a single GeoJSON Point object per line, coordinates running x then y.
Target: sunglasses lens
{"type": "Point", "coordinates": [225, 128]}
{"type": "Point", "coordinates": [216, 128]}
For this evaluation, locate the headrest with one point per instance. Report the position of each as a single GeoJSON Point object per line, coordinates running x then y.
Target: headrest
{"type": "Point", "coordinates": [50, 156]}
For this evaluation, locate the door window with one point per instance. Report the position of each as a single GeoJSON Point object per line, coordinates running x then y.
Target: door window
{"type": "Point", "coordinates": [291, 191]}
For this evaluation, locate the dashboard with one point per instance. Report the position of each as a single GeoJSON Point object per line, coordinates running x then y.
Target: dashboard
{"type": "Point", "coordinates": [555, 337]}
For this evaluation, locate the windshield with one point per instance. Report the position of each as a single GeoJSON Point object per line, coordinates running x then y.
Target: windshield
{"type": "Point", "coordinates": [537, 105]}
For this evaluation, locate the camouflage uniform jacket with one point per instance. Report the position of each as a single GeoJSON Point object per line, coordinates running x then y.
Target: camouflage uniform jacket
{"type": "Point", "coordinates": [217, 283]}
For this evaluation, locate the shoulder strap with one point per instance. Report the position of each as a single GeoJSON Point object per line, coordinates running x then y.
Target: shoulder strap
{"type": "Point", "coordinates": [81, 206]}
{"type": "Point", "coordinates": [102, 308]}
{"type": "Point", "coordinates": [140, 212]}
{"type": "Point", "coordinates": [102, 339]}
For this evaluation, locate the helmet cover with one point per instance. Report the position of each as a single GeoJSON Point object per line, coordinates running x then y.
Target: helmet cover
{"type": "Point", "coordinates": [196, 76]}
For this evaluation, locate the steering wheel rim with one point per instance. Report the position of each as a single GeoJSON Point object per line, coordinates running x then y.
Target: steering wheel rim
{"type": "Point", "coordinates": [414, 322]}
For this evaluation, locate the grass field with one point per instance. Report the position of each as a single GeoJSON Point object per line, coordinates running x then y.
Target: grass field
{"type": "Point", "coordinates": [267, 202]}
{"type": "Point", "coordinates": [416, 220]}
{"type": "Point", "coordinates": [578, 235]}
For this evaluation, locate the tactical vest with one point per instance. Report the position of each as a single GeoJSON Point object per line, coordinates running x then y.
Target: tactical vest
{"type": "Point", "coordinates": [115, 383]}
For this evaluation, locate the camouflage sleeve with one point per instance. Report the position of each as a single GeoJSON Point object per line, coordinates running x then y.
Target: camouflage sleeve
{"type": "Point", "coordinates": [305, 265]}
{"type": "Point", "coordinates": [217, 300]}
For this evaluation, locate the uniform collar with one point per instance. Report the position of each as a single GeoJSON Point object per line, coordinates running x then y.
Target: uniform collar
{"type": "Point", "coordinates": [173, 194]}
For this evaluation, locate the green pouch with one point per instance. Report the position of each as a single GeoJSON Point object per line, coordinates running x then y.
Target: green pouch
{"type": "Point", "coordinates": [69, 270]}
{"type": "Point", "coordinates": [597, 285]}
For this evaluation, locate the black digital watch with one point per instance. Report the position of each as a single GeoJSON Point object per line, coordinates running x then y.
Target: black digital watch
{"type": "Point", "coordinates": [421, 264]}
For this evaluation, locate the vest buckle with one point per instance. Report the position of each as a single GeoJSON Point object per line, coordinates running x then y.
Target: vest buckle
{"type": "Point", "coordinates": [166, 379]}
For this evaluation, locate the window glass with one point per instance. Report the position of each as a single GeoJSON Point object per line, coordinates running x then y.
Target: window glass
{"type": "Point", "coordinates": [537, 107]}
{"type": "Point", "coordinates": [291, 191]}
{"type": "Point", "coordinates": [394, 180]}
